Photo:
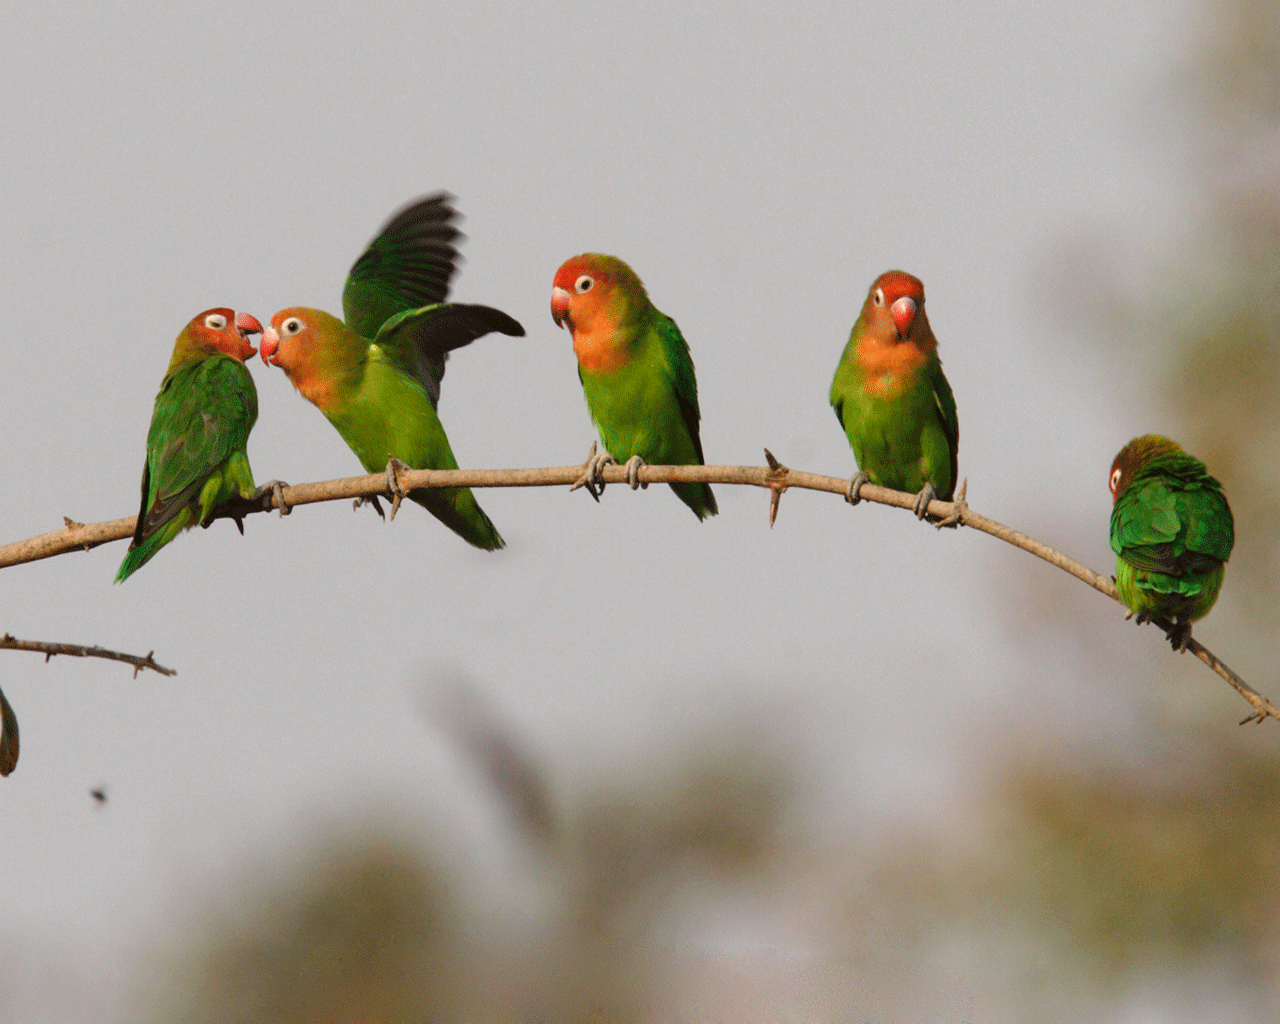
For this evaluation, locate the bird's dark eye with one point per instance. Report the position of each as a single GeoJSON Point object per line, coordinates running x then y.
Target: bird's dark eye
{"type": "Point", "coordinates": [291, 326]}
{"type": "Point", "coordinates": [1115, 480]}
{"type": "Point", "coordinates": [583, 284]}
{"type": "Point", "coordinates": [879, 296]}
{"type": "Point", "coordinates": [215, 321]}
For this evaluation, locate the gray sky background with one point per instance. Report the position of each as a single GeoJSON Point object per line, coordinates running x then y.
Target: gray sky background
{"type": "Point", "coordinates": [758, 165]}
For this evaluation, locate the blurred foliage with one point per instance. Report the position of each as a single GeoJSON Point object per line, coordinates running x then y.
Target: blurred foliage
{"type": "Point", "coordinates": [368, 930]}
{"type": "Point", "coordinates": [1135, 867]}
{"type": "Point", "coordinates": [363, 932]}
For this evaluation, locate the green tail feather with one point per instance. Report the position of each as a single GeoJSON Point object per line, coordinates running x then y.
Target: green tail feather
{"type": "Point", "coordinates": [458, 509]}
{"type": "Point", "coordinates": [698, 497]}
{"type": "Point", "coordinates": [139, 556]}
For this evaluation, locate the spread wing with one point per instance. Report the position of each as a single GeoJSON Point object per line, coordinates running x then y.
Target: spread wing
{"type": "Point", "coordinates": [418, 341]}
{"type": "Point", "coordinates": [409, 264]}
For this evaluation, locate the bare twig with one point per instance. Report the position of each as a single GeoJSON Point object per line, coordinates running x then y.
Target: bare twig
{"type": "Point", "coordinates": [138, 662]}
{"type": "Point", "coordinates": [774, 477]}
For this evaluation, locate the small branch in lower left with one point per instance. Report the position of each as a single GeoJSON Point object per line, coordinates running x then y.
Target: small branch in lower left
{"type": "Point", "coordinates": [138, 661]}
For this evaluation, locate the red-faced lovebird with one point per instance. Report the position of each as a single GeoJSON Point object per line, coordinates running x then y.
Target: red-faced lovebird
{"type": "Point", "coordinates": [636, 372]}
{"type": "Point", "coordinates": [892, 399]}
{"type": "Point", "coordinates": [377, 376]}
{"type": "Point", "coordinates": [196, 457]}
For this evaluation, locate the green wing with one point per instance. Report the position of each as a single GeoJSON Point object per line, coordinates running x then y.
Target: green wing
{"type": "Point", "coordinates": [1173, 519]}
{"type": "Point", "coordinates": [945, 403]}
{"type": "Point", "coordinates": [679, 363]}
{"type": "Point", "coordinates": [408, 265]}
{"type": "Point", "coordinates": [203, 416]}
{"type": "Point", "coordinates": [417, 341]}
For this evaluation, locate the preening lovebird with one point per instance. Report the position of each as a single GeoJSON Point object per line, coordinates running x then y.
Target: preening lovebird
{"type": "Point", "coordinates": [1172, 532]}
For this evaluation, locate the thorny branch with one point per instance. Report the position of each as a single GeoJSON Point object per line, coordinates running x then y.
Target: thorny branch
{"type": "Point", "coordinates": [776, 478]}
{"type": "Point", "coordinates": [138, 662]}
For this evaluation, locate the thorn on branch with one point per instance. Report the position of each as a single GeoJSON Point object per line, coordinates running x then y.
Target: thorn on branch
{"type": "Point", "coordinates": [777, 484]}
{"type": "Point", "coordinates": [72, 524]}
{"type": "Point", "coordinates": [958, 508]}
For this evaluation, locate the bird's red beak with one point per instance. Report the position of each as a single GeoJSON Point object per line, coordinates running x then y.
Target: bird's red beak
{"type": "Point", "coordinates": [560, 307]}
{"type": "Point", "coordinates": [904, 311]}
{"type": "Point", "coordinates": [270, 347]}
{"type": "Point", "coordinates": [247, 325]}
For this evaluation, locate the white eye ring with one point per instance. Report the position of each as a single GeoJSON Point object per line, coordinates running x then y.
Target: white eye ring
{"type": "Point", "coordinates": [1115, 479]}
{"type": "Point", "coordinates": [879, 297]}
{"type": "Point", "coordinates": [583, 284]}
{"type": "Point", "coordinates": [291, 326]}
{"type": "Point", "coordinates": [215, 321]}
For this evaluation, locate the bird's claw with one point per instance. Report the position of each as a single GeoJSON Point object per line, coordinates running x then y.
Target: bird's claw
{"type": "Point", "coordinates": [958, 507]}
{"type": "Point", "coordinates": [590, 478]}
{"type": "Point", "coordinates": [394, 490]}
{"type": "Point", "coordinates": [371, 499]}
{"type": "Point", "coordinates": [633, 465]}
{"type": "Point", "coordinates": [853, 493]}
{"type": "Point", "coordinates": [926, 495]}
{"type": "Point", "coordinates": [1179, 636]}
{"type": "Point", "coordinates": [271, 495]}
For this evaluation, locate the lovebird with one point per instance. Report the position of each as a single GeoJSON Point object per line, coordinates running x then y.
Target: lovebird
{"type": "Point", "coordinates": [196, 456]}
{"type": "Point", "coordinates": [636, 373]}
{"type": "Point", "coordinates": [377, 376]}
{"type": "Point", "coordinates": [893, 400]}
{"type": "Point", "coordinates": [1172, 532]}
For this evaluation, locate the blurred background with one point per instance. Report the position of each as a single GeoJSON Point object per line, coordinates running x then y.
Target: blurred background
{"type": "Point", "coordinates": [634, 767]}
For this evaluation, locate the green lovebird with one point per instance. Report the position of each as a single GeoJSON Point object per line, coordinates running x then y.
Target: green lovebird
{"type": "Point", "coordinates": [377, 376]}
{"type": "Point", "coordinates": [892, 399]}
{"type": "Point", "coordinates": [1172, 532]}
{"type": "Point", "coordinates": [636, 372]}
{"type": "Point", "coordinates": [196, 457]}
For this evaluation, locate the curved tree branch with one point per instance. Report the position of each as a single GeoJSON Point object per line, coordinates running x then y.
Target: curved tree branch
{"type": "Point", "coordinates": [775, 477]}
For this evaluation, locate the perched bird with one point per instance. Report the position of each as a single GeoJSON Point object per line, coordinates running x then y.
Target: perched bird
{"type": "Point", "coordinates": [636, 373]}
{"type": "Point", "coordinates": [892, 399]}
{"type": "Point", "coordinates": [377, 376]}
{"type": "Point", "coordinates": [8, 737]}
{"type": "Point", "coordinates": [1172, 532]}
{"type": "Point", "coordinates": [196, 457]}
